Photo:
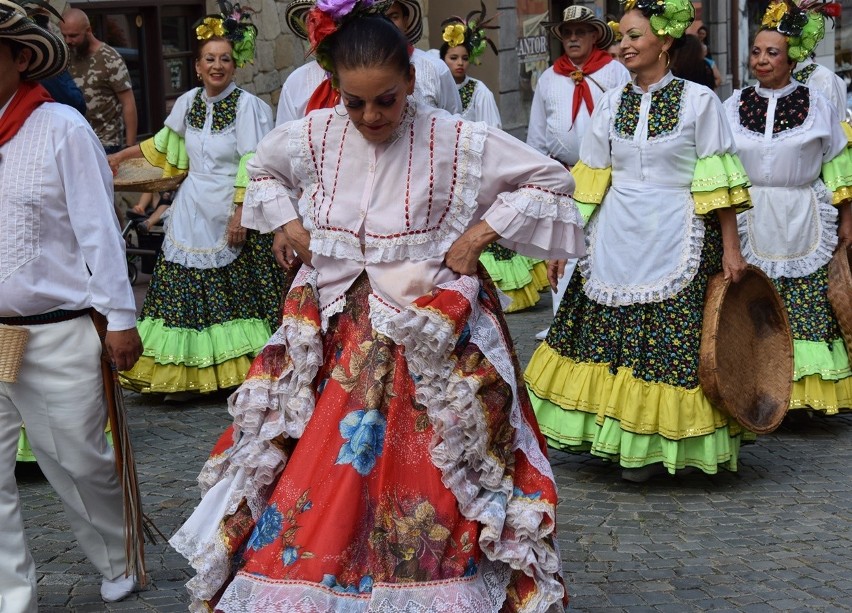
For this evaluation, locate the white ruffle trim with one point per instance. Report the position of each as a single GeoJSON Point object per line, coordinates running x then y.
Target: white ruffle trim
{"type": "Point", "coordinates": [417, 246]}
{"type": "Point", "coordinates": [196, 258]}
{"type": "Point", "coordinates": [661, 289]}
{"type": "Point", "coordinates": [460, 449]}
{"type": "Point", "coordinates": [268, 204]}
{"type": "Point", "coordinates": [805, 265]}
{"type": "Point", "coordinates": [248, 594]}
{"type": "Point", "coordinates": [262, 409]}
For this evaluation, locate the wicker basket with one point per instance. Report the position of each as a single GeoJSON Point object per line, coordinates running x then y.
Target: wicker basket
{"type": "Point", "coordinates": [840, 293]}
{"type": "Point", "coordinates": [13, 340]}
{"type": "Point", "coordinates": [137, 175]}
{"type": "Point", "coordinates": [746, 361]}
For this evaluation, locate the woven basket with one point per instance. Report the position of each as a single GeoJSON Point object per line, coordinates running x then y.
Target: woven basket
{"type": "Point", "coordinates": [13, 340]}
{"type": "Point", "coordinates": [746, 361]}
{"type": "Point", "coordinates": [137, 175]}
{"type": "Point", "coordinates": [840, 293]}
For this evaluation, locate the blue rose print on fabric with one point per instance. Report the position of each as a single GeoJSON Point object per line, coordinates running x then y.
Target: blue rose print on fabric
{"type": "Point", "coordinates": [290, 555]}
{"type": "Point", "coordinates": [364, 432]}
{"type": "Point", "coordinates": [267, 529]}
{"type": "Point", "coordinates": [365, 586]}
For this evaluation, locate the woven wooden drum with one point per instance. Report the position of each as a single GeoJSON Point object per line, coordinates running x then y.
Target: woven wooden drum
{"type": "Point", "coordinates": [13, 341]}
{"type": "Point", "coordinates": [137, 175]}
{"type": "Point", "coordinates": [840, 293]}
{"type": "Point", "coordinates": [746, 362]}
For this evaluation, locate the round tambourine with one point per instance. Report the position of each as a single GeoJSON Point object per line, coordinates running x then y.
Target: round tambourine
{"type": "Point", "coordinates": [840, 293]}
{"type": "Point", "coordinates": [746, 362]}
{"type": "Point", "coordinates": [137, 175]}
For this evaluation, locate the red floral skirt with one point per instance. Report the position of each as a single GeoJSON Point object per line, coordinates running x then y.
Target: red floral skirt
{"type": "Point", "coordinates": [384, 475]}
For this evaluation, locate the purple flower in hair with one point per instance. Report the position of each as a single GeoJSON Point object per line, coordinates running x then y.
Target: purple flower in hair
{"type": "Point", "coordinates": [336, 9]}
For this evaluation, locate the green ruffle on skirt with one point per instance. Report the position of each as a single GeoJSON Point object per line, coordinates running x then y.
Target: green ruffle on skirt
{"type": "Point", "coordinates": [828, 360]}
{"type": "Point", "coordinates": [630, 450]}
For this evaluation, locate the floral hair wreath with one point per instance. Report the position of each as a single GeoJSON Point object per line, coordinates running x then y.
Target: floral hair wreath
{"type": "Point", "coordinates": [803, 24]}
{"type": "Point", "coordinates": [234, 24]}
{"type": "Point", "coordinates": [616, 30]}
{"type": "Point", "coordinates": [667, 17]}
{"type": "Point", "coordinates": [470, 33]}
{"type": "Point", "coordinates": [326, 17]}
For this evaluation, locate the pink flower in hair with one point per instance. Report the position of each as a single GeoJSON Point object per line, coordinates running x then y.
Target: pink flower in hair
{"type": "Point", "coordinates": [336, 9]}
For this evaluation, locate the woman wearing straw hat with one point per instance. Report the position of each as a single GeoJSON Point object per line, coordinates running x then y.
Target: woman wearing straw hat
{"type": "Point", "coordinates": [214, 296]}
{"type": "Point", "coordinates": [60, 243]}
{"type": "Point", "coordinates": [794, 150]}
{"type": "Point", "coordinates": [382, 457]}
{"type": "Point", "coordinates": [618, 372]}
{"type": "Point", "coordinates": [308, 88]}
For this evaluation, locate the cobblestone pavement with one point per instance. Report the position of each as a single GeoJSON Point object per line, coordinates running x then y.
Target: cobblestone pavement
{"type": "Point", "coordinates": [774, 536]}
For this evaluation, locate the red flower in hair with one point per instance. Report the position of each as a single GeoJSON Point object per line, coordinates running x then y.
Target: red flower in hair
{"type": "Point", "coordinates": [831, 10]}
{"type": "Point", "coordinates": [319, 25]}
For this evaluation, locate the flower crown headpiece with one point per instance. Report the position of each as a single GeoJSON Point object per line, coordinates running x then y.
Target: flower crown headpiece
{"type": "Point", "coordinates": [803, 24]}
{"type": "Point", "coordinates": [667, 17]}
{"type": "Point", "coordinates": [616, 30]}
{"type": "Point", "coordinates": [233, 23]}
{"type": "Point", "coordinates": [470, 33]}
{"type": "Point", "coordinates": [326, 17]}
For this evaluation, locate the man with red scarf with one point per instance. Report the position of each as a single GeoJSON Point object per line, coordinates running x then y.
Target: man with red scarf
{"type": "Point", "coordinates": [566, 93]}
{"type": "Point", "coordinates": [61, 255]}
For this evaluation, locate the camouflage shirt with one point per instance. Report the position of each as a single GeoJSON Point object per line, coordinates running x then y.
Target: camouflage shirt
{"type": "Point", "coordinates": [101, 76]}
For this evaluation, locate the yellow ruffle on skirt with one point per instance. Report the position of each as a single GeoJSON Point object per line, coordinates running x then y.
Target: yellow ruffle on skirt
{"type": "Point", "coordinates": [149, 376]}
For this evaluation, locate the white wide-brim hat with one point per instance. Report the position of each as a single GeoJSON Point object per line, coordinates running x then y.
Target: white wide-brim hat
{"type": "Point", "coordinates": [50, 55]}
{"type": "Point", "coordinates": [580, 14]}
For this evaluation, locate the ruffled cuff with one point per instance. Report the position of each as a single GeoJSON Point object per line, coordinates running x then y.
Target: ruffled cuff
{"type": "Point", "coordinates": [268, 204]}
{"type": "Point", "coordinates": [837, 176]}
{"type": "Point", "coordinates": [591, 183]}
{"type": "Point", "coordinates": [166, 150]}
{"type": "Point", "coordinates": [538, 223]}
{"type": "Point", "coordinates": [720, 182]}
{"type": "Point", "coordinates": [847, 130]}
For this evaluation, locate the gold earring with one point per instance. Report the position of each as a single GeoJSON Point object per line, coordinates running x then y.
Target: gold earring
{"type": "Point", "coordinates": [668, 57]}
{"type": "Point", "coordinates": [198, 75]}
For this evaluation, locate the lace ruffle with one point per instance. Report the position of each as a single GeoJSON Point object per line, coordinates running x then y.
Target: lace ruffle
{"type": "Point", "coordinates": [267, 204]}
{"type": "Point", "coordinates": [263, 409]}
{"type": "Point", "coordinates": [662, 289]}
{"type": "Point", "coordinates": [483, 491]}
{"type": "Point", "coordinates": [805, 265]}
{"type": "Point", "coordinates": [199, 259]}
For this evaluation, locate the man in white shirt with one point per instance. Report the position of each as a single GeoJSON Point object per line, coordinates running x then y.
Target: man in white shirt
{"type": "Point", "coordinates": [433, 82]}
{"type": "Point", "coordinates": [61, 254]}
{"type": "Point", "coordinates": [567, 92]}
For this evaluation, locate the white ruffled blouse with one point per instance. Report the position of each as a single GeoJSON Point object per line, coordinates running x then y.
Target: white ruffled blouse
{"type": "Point", "coordinates": [394, 209]}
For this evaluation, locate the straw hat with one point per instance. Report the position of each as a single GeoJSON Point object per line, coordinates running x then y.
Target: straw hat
{"type": "Point", "coordinates": [50, 55]}
{"type": "Point", "coordinates": [576, 14]}
{"type": "Point", "coordinates": [297, 11]}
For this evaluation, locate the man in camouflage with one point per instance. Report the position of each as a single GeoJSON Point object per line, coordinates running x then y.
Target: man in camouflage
{"type": "Point", "coordinates": [101, 73]}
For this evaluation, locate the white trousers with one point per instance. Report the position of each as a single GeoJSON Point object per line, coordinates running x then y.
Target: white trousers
{"type": "Point", "coordinates": [59, 396]}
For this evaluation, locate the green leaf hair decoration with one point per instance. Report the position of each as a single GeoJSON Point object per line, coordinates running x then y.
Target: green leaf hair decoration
{"type": "Point", "coordinates": [800, 47]}
{"type": "Point", "coordinates": [667, 17]}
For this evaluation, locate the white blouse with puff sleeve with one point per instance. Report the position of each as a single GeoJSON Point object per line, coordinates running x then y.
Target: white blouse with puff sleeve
{"type": "Point", "coordinates": [394, 209]}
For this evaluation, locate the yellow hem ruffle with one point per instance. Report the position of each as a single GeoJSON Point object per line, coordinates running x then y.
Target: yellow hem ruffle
{"type": "Point", "coordinates": [147, 376]}
{"type": "Point", "coordinates": [829, 397]}
{"type": "Point", "coordinates": [640, 406]}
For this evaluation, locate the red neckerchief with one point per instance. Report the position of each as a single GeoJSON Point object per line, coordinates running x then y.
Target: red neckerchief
{"type": "Point", "coordinates": [27, 99]}
{"type": "Point", "coordinates": [582, 92]}
{"type": "Point", "coordinates": [324, 97]}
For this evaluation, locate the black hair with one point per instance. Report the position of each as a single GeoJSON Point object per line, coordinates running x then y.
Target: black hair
{"type": "Point", "coordinates": [688, 62]}
{"type": "Point", "coordinates": [446, 47]}
{"type": "Point", "coordinates": [366, 42]}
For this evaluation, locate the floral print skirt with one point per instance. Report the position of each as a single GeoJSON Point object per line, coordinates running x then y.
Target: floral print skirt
{"type": "Point", "coordinates": [201, 327]}
{"type": "Point", "coordinates": [351, 488]}
{"type": "Point", "coordinates": [622, 382]}
{"type": "Point", "coordinates": [822, 379]}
